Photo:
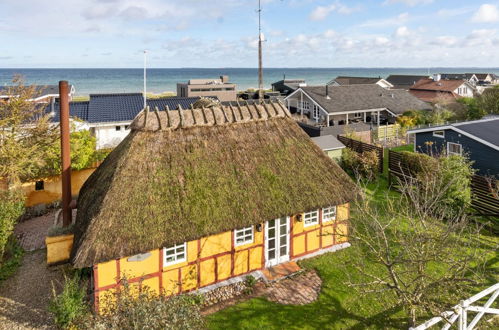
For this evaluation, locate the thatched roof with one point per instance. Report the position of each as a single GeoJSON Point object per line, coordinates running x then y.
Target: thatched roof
{"type": "Point", "coordinates": [188, 174]}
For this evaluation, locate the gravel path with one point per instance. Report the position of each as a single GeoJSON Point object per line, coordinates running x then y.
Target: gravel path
{"type": "Point", "coordinates": [24, 297]}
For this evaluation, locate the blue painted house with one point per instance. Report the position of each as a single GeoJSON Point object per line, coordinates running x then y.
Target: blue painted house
{"type": "Point", "coordinates": [478, 140]}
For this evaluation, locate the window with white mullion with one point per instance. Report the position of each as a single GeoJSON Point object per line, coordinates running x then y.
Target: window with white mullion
{"type": "Point", "coordinates": [243, 236]}
{"type": "Point", "coordinates": [175, 254]}
{"type": "Point", "coordinates": [311, 218]}
{"type": "Point", "coordinates": [454, 148]}
{"type": "Point", "coordinates": [329, 213]}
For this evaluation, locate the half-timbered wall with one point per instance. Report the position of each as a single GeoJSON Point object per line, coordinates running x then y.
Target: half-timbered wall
{"type": "Point", "coordinates": [212, 259]}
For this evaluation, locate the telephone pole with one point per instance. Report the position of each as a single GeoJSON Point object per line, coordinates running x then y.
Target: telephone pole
{"type": "Point", "coordinates": [260, 66]}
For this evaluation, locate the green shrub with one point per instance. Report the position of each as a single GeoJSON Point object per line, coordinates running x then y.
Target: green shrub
{"type": "Point", "coordinates": [448, 177]}
{"type": "Point", "coordinates": [364, 165]}
{"type": "Point", "coordinates": [70, 304]}
{"type": "Point", "coordinates": [12, 259]}
{"type": "Point", "coordinates": [11, 208]}
{"type": "Point", "coordinates": [143, 309]}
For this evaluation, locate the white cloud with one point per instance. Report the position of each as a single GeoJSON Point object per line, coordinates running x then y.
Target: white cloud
{"type": "Point", "coordinates": [487, 13]}
{"type": "Point", "coordinates": [402, 32]}
{"type": "Point", "coordinates": [383, 22]}
{"type": "Point", "coordinates": [321, 12]}
{"type": "Point", "coordinates": [410, 3]}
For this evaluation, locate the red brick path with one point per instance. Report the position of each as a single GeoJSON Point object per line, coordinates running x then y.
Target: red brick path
{"type": "Point", "coordinates": [298, 290]}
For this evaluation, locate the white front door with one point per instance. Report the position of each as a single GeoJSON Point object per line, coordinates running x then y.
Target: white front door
{"type": "Point", "coordinates": [276, 241]}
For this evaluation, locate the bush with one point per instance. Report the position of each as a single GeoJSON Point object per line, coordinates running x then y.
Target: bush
{"type": "Point", "coordinates": [363, 165]}
{"type": "Point", "coordinates": [11, 208]}
{"type": "Point", "coordinates": [130, 308]}
{"type": "Point", "coordinates": [12, 259]}
{"type": "Point", "coordinates": [449, 177]}
{"type": "Point", "coordinates": [70, 304]}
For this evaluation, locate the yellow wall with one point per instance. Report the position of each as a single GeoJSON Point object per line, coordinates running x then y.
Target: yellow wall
{"type": "Point", "coordinates": [305, 240]}
{"type": "Point", "coordinates": [211, 259]}
{"type": "Point", "coordinates": [52, 188]}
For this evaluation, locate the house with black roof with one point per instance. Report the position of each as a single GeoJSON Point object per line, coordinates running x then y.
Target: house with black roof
{"type": "Point", "coordinates": [340, 105]}
{"type": "Point", "coordinates": [346, 80]}
{"type": "Point", "coordinates": [402, 81]}
{"type": "Point", "coordinates": [108, 116]}
{"type": "Point", "coordinates": [478, 140]}
{"type": "Point", "coordinates": [287, 86]}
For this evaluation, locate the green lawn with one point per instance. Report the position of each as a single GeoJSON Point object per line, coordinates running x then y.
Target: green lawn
{"type": "Point", "coordinates": [338, 306]}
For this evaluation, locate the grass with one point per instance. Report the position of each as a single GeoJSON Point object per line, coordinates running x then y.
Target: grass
{"type": "Point", "coordinates": [338, 306]}
{"type": "Point", "coordinates": [12, 260]}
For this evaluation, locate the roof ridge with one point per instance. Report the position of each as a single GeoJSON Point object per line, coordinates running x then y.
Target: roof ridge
{"type": "Point", "coordinates": [473, 122]}
{"type": "Point", "coordinates": [220, 115]}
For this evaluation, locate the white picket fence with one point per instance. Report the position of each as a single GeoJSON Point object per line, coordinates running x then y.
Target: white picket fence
{"type": "Point", "coordinates": [460, 312]}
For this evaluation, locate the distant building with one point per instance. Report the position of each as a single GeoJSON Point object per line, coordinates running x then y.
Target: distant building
{"type": "Point", "coordinates": [43, 94]}
{"type": "Point", "coordinates": [400, 81]}
{"type": "Point", "coordinates": [340, 105]}
{"type": "Point", "coordinates": [433, 90]}
{"type": "Point", "coordinates": [486, 78]}
{"type": "Point", "coordinates": [469, 77]}
{"type": "Point", "coordinates": [478, 140]}
{"type": "Point", "coordinates": [345, 81]}
{"type": "Point", "coordinates": [287, 86]}
{"type": "Point", "coordinates": [108, 116]}
{"type": "Point", "coordinates": [220, 88]}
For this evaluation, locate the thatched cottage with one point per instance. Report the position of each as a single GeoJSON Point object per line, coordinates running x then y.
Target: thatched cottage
{"type": "Point", "coordinates": [192, 198]}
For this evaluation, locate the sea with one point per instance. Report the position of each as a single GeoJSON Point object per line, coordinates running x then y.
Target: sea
{"type": "Point", "coordinates": [93, 81]}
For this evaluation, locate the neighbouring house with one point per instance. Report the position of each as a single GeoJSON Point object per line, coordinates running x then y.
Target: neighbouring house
{"type": "Point", "coordinates": [437, 89]}
{"type": "Point", "coordinates": [478, 140]}
{"type": "Point", "coordinates": [108, 116]}
{"type": "Point", "coordinates": [469, 77]}
{"type": "Point", "coordinates": [220, 88]}
{"type": "Point", "coordinates": [330, 145]}
{"type": "Point", "coordinates": [287, 86]}
{"type": "Point", "coordinates": [400, 81]}
{"type": "Point", "coordinates": [487, 78]}
{"type": "Point", "coordinates": [340, 105]}
{"type": "Point", "coordinates": [344, 81]}
{"type": "Point", "coordinates": [198, 199]}
{"type": "Point", "coordinates": [44, 94]}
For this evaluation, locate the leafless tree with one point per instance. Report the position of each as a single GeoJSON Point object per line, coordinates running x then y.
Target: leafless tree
{"type": "Point", "coordinates": [412, 252]}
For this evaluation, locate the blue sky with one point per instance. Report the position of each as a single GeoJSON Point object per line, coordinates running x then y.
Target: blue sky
{"type": "Point", "coordinates": [223, 33]}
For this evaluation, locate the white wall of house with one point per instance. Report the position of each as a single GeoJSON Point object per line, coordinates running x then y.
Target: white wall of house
{"type": "Point", "coordinates": [110, 135]}
{"type": "Point", "coordinates": [385, 84]}
{"type": "Point", "coordinates": [464, 90]}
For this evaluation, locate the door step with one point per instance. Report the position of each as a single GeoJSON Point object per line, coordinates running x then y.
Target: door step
{"type": "Point", "coordinates": [280, 271]}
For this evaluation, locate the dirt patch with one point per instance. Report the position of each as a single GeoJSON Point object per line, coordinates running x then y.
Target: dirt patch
{"type": "Point", "coordinates": [24, 297]}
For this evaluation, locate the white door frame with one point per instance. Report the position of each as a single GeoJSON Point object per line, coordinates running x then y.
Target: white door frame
{"type": "Point", "coordinates": [278, 258]}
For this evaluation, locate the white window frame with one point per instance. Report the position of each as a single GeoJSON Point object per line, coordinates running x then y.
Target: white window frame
{"type": "Point", "coordinates": [357, 115]}
{"type": "Point", "coordinates": [248, 237]}
{"type": "Point", "coordinates": [309, 219]}
{"type": "Point", "coordinates": [316, 112]}
{"type": "Point", "coordinates": [454, 153]}
{"type": "Point", "coordinates": [176, 254]}
{"type": "Point", "coordinates": [331, 213]}
{"type": "Point", "coordinates": [435, 134]}
{"type": "Point", "coordinates": [117, 128]}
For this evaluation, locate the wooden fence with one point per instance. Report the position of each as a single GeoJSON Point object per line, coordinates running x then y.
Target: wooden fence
{"type": "Point", "coordinates": [460, 312]}
{"type": "Point", "coordinates": [361, 147]}
{"type": "Point", "coordinates": [485, 199]}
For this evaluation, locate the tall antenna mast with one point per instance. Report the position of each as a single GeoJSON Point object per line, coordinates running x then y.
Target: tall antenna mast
{"type": "Point", "coordinates": [145, 79]}
{"type": "Point", "coordinates": [260, 68]}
